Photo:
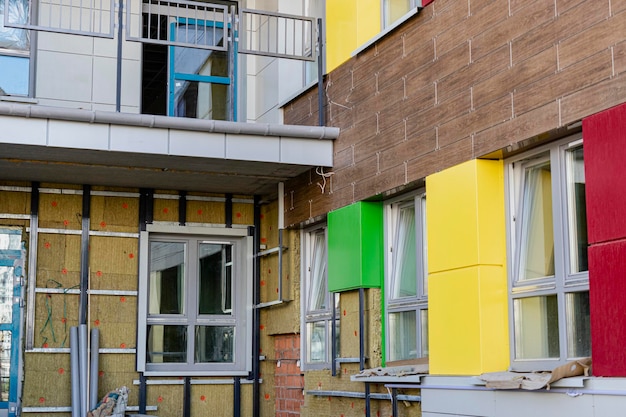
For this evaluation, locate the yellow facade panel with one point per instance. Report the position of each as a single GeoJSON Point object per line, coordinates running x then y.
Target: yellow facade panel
{"type": "Point", "coordinates": [465, 210]}
{"type": "Point", "coordinates": [468, 321]}
{"type": "Point", "coordinates": [349, 24]}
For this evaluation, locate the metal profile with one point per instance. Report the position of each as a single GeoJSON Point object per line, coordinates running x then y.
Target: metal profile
{"type": "Point", "coordinates": [32, 266]}
{"type": "Point", "coordinates": [67, 350]}
{"type": "Point", "coordinates": [69, 409]}
{"type": "Point", "coordinates": [293, 36]}
{"type": "Point", "coordinates": [177, 11]}
{"type": "Point", "coordinates": [14, 216]}
{"type": "Point", "coordinates": [87, 18]}
{"type": "Point", "coordinates": [90, 291]}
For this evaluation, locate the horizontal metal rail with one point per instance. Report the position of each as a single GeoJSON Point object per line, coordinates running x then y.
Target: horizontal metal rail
{"type": "Point", "coordinates": [177, 23]}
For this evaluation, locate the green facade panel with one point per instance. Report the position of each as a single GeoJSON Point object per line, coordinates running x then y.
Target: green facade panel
{"type": "Point", "coordinates": [355, 247]}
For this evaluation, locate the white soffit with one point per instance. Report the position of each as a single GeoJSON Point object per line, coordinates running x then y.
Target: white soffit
{"type": "Point", "coordinates": [137, 150]}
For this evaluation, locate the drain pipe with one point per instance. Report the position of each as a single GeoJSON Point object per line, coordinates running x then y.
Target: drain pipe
{"type": "Point", "coordinates": [74, 371]}
{"type": "Point", "coordinates": [256, 317]}
{"type": "Point", "coordinates": [362, 348]}
{"type": "Point", "coordinates": [93, 368]}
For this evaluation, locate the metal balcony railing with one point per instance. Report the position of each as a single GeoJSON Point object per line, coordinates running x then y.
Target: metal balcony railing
{"type": "Point", "coordinates": [79, 17]}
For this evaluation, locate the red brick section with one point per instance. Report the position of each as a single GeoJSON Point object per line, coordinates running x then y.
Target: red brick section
{"type": "Point", "coordinates": [289, 381]}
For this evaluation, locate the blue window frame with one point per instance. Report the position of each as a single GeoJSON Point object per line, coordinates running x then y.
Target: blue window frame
{"type": "Point", "coordinates": [199, 79]}
{"type": "Point", "coordinates": [11, 271]}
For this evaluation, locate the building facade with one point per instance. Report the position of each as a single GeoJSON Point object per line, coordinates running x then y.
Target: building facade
{"type": "Point", "coordinates": [472, 210]}
{"type": "Point", "coordinates": [250, 241]}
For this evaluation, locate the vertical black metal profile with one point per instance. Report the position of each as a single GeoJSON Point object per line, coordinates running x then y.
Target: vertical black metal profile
{"type": "Point", "coordinates": [237, 397]}
{"type": "Point", "coordinates": [120, 33]}
{"type": "Point", "coordinates": [142, 393]}
{"type": "Point", "coordinates": [228, 210]}
{"type": "Point", "coordinates": [182, 208]}
{"type": "Point", "coordinates": [146, 211]}
{"type": "Point", "coordinates": [394, 402]}
{"type": "Point", "coordinates": [146, 208]}
{"type": "Point", "coordinates": [361, 329]}
{"type": "Point", "coordinates": [33, 240]}
{"type": "Point", "coordinates": [187, 398]}
{"type": "Point", "coordinates": [84, 256]}
{"type": "Point", "coordinates": [362, 348]}
{"type": "Point", "coordinates": [256, 317]}
{"type": "Point", "coordinates": [320, 73]}
{"type": "Point", "coordinates": [333, 334]}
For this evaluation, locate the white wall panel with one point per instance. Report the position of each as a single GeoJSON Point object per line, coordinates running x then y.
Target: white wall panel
{"type": "Point", "coordinates": [78, 135]}
{"type": "Point", "coordinates": [252, 148]}
{"type": "Point", "coordinates": [137, 139]}
{"type": "Point", "coordinates": [64, 76]}
{"type": "Point", "coordinates": [23, 131]}
{"type": "Point", "coordinates": [200, 144]}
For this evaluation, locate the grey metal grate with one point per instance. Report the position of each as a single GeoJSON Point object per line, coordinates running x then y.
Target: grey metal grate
{"type": "Point", "coordinates": [79, 17]}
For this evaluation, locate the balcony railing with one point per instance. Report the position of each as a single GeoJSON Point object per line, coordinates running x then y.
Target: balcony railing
{"type": "Point", "coordinates": [256, 32]}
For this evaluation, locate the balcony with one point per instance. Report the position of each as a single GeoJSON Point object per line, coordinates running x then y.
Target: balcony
{"type": "Point", "coordinates": [154, 93]}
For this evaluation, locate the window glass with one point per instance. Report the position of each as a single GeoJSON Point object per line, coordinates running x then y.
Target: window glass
{"type": "Point", "coordinates": [167, 344]}
{"type": "Point", "coordinates": [5, 365]}
{"type": "Point", "coordinates": [578, 324]}
{"type": "Point", "coordinates": [536, 327]}
{"type": "Point", "coordinates": [214, 344]}
{"type": "Point", "coordinates": [318, 293]}
{"type": "Point", "coordinates": [537, 251]}
{"type": "Point", "coordinates": [214, 291]}
{"type": "Point", "coordinates": [402, 336]}
{"type": "Point", "coordinates": [14, 75]}
{"type": "Point", "coordinates": [10, 38]}
{"type": "Point", "coordinates": [577, 213]}
{"type": "Point", "coordinates": [316, 343]}
{"type": "Point", "coordinates": [404, 282]}
{"type": "Point", "coordinates": [395, 9]}
{"type": "Point", "coordinates": [167, 278]}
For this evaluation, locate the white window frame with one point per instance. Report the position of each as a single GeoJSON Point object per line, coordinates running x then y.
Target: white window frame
{"type": "Point", "coordinates": [240, 317]}
{"type": "Point", "coordinates": [563, 282]}
{"type": "Point", "coordinates": [309, 315]}
{"type": "Point", "coordinates": [419, 302]}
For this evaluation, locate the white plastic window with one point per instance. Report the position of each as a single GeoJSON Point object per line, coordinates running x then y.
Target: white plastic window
{"type": "Point", "coordinates": [549, 285]}
{"type": "Point", "coordinates": [317, 302]}
{"type": "Point", "coordinates": [406, 279]}
{"type": "Point", "coordinates": [193, 303]}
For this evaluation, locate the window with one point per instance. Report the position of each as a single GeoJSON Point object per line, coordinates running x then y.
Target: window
{"type": "Point", "coordinates": [317, 302]}
{"type": "Point", "coordinates": [187, 81]}
{"type": "Point", "coordinates": [406, 279]}
{"type": "Point", "coordinates": [194, 298]}
{"type": "Point", "coordinates": [393, 10]}
{"type": "Point", "coordinates": [549, 281]}
{"type": "Point", "coordinates": [14, 49]}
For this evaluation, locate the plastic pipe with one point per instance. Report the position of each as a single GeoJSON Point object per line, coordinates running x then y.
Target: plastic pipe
{"type": "Point", "coordinates": [82, 366]}
{"type": "Point", "coordinates": [93, 369]}
{"type": "Point", "coordinates": [74, 371]}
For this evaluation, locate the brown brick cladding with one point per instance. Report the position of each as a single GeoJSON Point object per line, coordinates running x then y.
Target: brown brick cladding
{"type": "Point", "coordinates": [460, 80]}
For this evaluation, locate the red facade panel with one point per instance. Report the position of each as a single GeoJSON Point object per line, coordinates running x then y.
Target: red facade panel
{"type": "Point", "coordinates": [607, 297]}
{"type": "Point", "coordinates": [605, 171]}
{"type": "Point", "coordinates": [605, 174]}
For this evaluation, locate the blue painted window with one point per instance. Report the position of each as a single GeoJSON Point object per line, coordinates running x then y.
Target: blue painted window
{"type": "Point", "coordinates": [199, 81]}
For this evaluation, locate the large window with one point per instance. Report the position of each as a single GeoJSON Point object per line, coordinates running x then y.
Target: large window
{"type": "Point", "coordinates": [406, 279]}
{"type": "Point", "coordinates": [317, 302]}
{"type": "Point", "coordinates": [549, 283]}
{"type": "Point", "coordinates": [14, 49]}
{"type": "Point", "coordinates": [194, 299]}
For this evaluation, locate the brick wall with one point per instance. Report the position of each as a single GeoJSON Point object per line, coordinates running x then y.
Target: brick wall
{"type": "Point", "coordinates": [460, 80]}
{"type": "Point", "coordinates": [288, 379]}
